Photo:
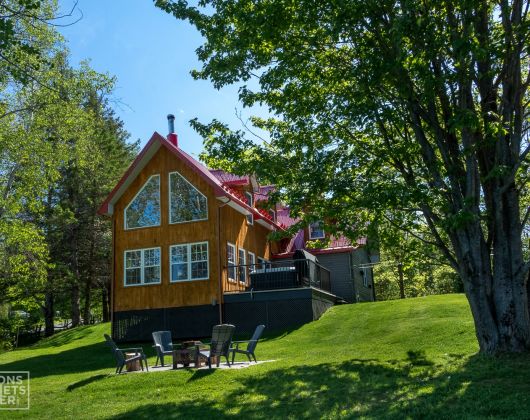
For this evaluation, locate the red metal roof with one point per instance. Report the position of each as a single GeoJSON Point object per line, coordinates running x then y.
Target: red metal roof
{"type": "Point", "coordinates": [230, 179]}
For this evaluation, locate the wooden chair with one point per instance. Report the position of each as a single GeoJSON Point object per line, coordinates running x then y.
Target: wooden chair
{"type": "Point", "coordinates": [163, 345]}
{"type": "Point", "coordinates": [251, 345]}
{"type": "Point", "coordinates": [219, 345]}
{"type": "Point", "coordinates": [121, 359]}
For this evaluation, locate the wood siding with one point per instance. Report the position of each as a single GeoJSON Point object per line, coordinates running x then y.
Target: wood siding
{"type": "Point", "coordinates": [233, 228]}
{"type": "Point", "coordinates": [165, 294]}
{"type": "Point", "coordinates": [253, 238]}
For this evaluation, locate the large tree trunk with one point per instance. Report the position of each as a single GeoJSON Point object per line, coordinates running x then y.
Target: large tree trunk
{"type": "Point", "coordinates": [49, 328]}
{"type": "Point", "coordinates": [496, 288]}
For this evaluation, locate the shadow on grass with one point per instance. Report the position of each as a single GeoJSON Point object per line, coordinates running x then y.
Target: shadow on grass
{"type": "Point", "coordinates": [359, 388]}
{"type": "Point", "coordinates": [86, 381]}
{"type": "Point", "coordinates": [77, 360]}
{"type": "Point", "coordinates": [64, 337]}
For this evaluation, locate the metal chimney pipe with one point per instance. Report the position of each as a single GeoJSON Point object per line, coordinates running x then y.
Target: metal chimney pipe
{"type": "Point", "coordinates": [172, 137]}
{"type": "Point", "coordinates": [171, 123]}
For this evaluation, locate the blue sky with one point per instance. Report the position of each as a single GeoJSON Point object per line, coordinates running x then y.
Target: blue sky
{"type": "Point", "coordinates": [151, 53]}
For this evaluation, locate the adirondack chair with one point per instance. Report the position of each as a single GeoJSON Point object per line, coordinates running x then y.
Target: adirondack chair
{"type": "Point", "coordinates": [163, 345]}
{"type": "Point", "coordinates": [251, 345]}
{"type": "Point", "coordinates": [121, 359]}
{"type": "Point", "coordinates": [219, 345]}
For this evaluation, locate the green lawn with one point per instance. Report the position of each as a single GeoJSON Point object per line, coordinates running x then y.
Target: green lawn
{"type": "Point", "coordinates": [401, 359]}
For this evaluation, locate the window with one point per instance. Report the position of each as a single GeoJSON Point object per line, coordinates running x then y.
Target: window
{"type": "Point", "coordinates": [365, 277]}
{"type": "Point", "coordinates": [242, 266]}
{"type": "Point", "coordinates": [251, 261]}
{"type": "Point", "coordinates": [142, 266]}
{"type": "Point", "coordinates": [272, 213]}
{"type": "Point", "coordinates": [186, 203]}
{"type": "Point", "coordinates": [144, 209]}
{"type": "Point", "coordinates": [250, 202]}
{"type": "Point", "coordinates": [315, 231]}
{"type": "Point", "coordinates": [231, 261]}
{"type": "Point", "coordinates": [262, 262]}
{"type": "Point", "coordinates": [189, 262]}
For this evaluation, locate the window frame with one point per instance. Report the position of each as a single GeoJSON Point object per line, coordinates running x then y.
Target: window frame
{"type": "Point", "coordinates": [142, 267]}
{"type": "Point", "coordinates": [169, 199]}
{"type": "Point", "coordinates": [251, 265]}
{"type": "Point", "coordinates": [125, 227]}
{"type": "Point", "coordinates": [234, 248]}
{"type": "Point", "coordinates": [239, 266]}
{"type": "Point", "coordinates": [311, 237]}
{"type": "Point", "coordinates": [189, 262]}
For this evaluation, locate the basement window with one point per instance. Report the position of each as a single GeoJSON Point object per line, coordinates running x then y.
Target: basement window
{"type": "Point", "coordinates": [144, 208]}
{"type": "Point", "coordinates": [189, 262]}
{"type": "Point", "coordinates": [142, 266]}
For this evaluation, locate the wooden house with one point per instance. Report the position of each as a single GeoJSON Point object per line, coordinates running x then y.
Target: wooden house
{"type": "Point", "coordinates": [191, 250]}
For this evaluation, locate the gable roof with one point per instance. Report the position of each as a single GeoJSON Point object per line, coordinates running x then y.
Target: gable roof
{"type": "Point", "coordinates": [220, 190]}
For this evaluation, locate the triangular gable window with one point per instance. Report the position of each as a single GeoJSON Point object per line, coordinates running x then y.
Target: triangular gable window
{"type": "Point", "coordinates": [186, 203]}
{"type": "Point", "coordinates": [144, 209]}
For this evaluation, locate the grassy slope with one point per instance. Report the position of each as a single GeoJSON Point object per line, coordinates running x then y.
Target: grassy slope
{"type": "Point", "coordinates": [412, 358]}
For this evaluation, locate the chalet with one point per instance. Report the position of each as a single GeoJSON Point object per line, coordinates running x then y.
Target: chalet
{"type": "Point", "coordinates": [191, 249]}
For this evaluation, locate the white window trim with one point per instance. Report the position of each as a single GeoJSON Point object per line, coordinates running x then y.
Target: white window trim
{"type": "Point", "coordinates": [273, 215]}
{"type": "Point", "coordinates": [251, 265]}
{"type": "Point", "coordinates": [316, 237]}
{"type": "Point", "coordinates": [169, 200]}
{"type": "Point", "coordinates": [188, 251]}
{"type": "Point", "coordinates": [142, 267]}
{"type": "Point", "coordinates": [239, 265]}
{"type": "Point", "coordinates": [231, 245]}
{"type": "Point", "coordinates": [134, 198]}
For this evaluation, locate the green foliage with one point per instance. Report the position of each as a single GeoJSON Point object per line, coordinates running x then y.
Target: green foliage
{"type": "Point", "coordinates": [415, 112]}
{"type": "Point", "coordinates": [61, 151]}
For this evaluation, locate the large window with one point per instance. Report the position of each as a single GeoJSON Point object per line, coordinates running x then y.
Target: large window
{"type": "Point", "coordinates": [231, 261]}
{"type": "Point", "coordinates": [242, 265]}
{"type": "Point", "coordinates": [144, 209]}
{"type": "Point", "coordinates": [316, 231]}
{"type": "Point", "coordinates": [186, 203]}
{"type": "Point", "coordinates": [189, 262]}
{"type": "Point", "coordinates": [142, 266]}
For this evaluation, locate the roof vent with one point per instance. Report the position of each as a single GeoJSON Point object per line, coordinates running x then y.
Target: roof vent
{"type": "Point", "coordinates": [172, 137]}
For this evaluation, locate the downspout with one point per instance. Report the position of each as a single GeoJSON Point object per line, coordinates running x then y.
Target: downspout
{"type": "Point", "coordinates": [219, 263]}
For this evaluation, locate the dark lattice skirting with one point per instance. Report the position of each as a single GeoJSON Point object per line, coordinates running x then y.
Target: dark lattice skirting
{"type": "Point", "coordinates": [185, 322]}
{"type": "Point", "coordinates": [276, 309]}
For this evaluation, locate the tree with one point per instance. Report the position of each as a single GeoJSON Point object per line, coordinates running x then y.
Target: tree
{"type": "Point", "coordinates": [418, 108]}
